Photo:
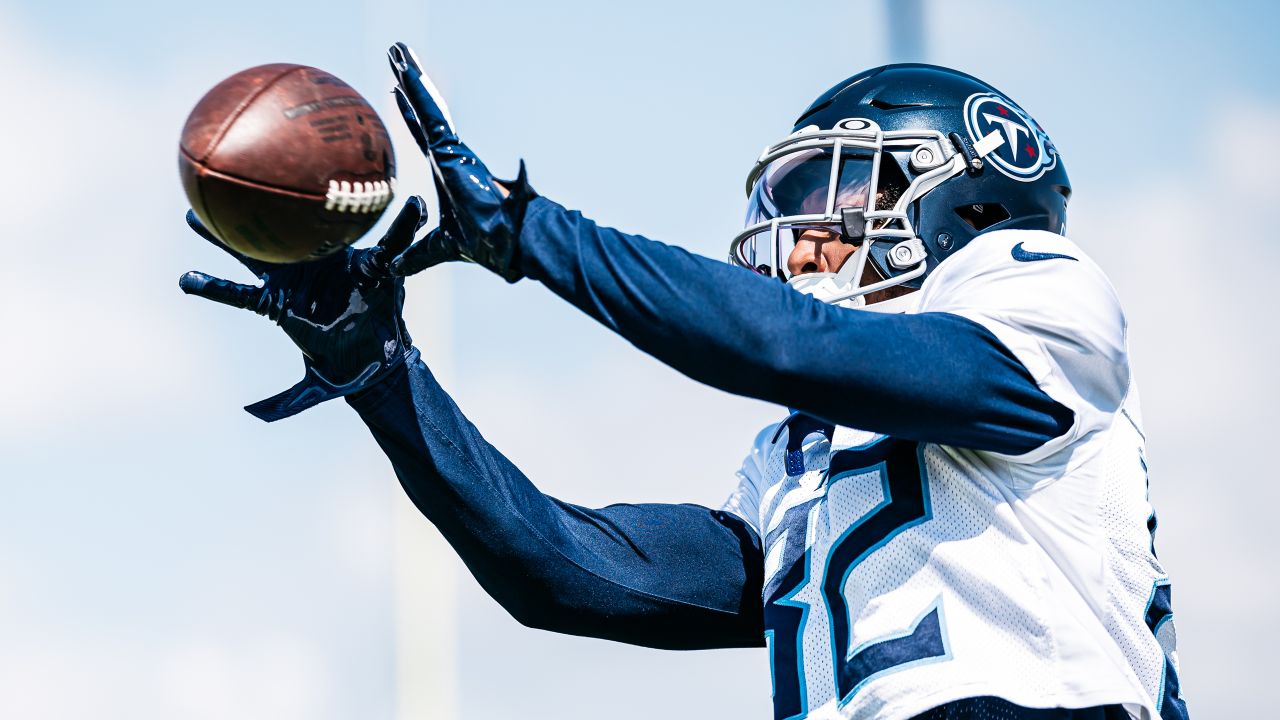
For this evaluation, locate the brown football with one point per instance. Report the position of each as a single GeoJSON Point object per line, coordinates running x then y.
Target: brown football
{"type": "Point", "coordinates": [286, 163]}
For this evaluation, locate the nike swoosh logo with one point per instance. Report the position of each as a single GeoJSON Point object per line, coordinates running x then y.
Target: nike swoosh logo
{"type": "Point", "coordinates": [1022, 255]}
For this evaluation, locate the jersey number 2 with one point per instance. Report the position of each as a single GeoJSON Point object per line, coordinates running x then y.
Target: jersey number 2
{"type": "Point", "coordinates": [905, 504]}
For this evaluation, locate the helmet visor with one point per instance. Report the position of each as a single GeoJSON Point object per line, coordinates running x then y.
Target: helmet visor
{"type": "Point", "coordinates": [801, 183]}
{"type": "Point", "coordinates": [800, 190]}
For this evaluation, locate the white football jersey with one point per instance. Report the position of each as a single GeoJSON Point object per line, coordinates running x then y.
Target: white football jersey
{"type": "Point", "coordinates": [900, 576]}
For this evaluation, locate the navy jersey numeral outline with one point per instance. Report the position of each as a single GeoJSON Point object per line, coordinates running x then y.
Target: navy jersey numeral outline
{"type": "Point", "coordinates": [1170, 704]}
{"type": "Point", "coordinates": [900, 466]}
{"type": "Point", "coordinates": [787, 621]}
{"type": "Point", "coordinates": [906, 504]}
{"type": "Point", "coordinates": [1159, 610]}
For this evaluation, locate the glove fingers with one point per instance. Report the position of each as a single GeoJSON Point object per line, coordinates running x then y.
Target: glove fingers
{"type": "Point", "coordinates": [411, 120]}
{"type": "Point", "coordinates": [439, 158]}
{"type": "Point", "coordinates": [426, 100]}
{"type": "Point", "coordinates": [222, 291]}
{"type": "Point", "coordinates": [257, 267]}
{"type": "Point", "coordinates": [465, 178]}
{"type": "Point", "coordinates": [411, 219]}
{"type": "Point", "coordinates": [437, 247]}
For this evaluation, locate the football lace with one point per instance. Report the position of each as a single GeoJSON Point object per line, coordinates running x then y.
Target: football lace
{"type": "Point", "coordinates": [359, 197]}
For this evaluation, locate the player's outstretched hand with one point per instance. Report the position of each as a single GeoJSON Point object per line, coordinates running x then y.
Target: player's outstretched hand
{"type": "Point", "coordinates": [480, 217]}
{"type": "Point", "coordinates": [342, 311]}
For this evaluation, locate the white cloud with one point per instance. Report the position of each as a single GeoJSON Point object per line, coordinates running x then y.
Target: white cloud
{"type": "Point", "coordinates": [89, 306]}
{"type": "Point", "coordinates": [138, 577]}
{"type": "Point", "coordinates": [1241, 146]}
{"type": "Point", "coordinates": [273, 678]}
{"type": "Point", "coordinates": [1193, 256]}
{"type": "Point", "coordinates": [55, 676]}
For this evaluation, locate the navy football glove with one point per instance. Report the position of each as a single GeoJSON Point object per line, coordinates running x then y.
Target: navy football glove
{"type": "Point", "coordinates": [342, 311]}
{"type": "Point", "coordinates": [479, 219]}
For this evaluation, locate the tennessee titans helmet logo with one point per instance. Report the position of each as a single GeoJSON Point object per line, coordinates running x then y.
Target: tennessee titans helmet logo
{"type": "Point", "coordinates": [908, 163]}
{"type": "Point", "coordinates": [1026, 153]}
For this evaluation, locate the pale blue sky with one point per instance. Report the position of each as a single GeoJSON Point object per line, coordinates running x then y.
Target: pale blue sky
{"type": "Point", "coordinates": [163, 554]}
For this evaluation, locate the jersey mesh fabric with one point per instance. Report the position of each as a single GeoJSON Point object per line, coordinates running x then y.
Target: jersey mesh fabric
{"type": "Point", "coordinates": [1135, 572]}
{"type": "Point", "coordinates": [1040, 566]}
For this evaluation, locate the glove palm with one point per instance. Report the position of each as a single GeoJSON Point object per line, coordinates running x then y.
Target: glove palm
{"type": "Point", "coordinates": [342, 311]}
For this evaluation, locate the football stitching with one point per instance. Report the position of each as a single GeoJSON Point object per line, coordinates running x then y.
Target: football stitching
{"type": "Point", "coordinates": [359, 197]}
{"type": "Point", "coordinates": [292, 192]}
{"type": "Point", "coordinates": [204, 170]}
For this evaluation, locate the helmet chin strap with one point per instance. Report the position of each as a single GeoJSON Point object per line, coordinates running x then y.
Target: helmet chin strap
{"type": "Point", "coordinates": [834, 288]}
{"type": "Point", "coordinates": [827, 288]}
{"type": "Point", "coordinates": [840, 288]}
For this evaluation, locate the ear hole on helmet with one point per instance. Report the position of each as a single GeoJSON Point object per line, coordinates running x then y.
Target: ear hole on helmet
{"type": "Point", "coordinates": [892, 183]}
{"type": "Point", "coordinates": [981, 216]}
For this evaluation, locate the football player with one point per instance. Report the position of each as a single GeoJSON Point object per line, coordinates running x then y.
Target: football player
{"type": "Point", "coordinates": [951, 522]}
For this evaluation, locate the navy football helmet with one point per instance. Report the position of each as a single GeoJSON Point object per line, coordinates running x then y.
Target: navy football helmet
{"type": "Point", "coordinates": [908, 162]}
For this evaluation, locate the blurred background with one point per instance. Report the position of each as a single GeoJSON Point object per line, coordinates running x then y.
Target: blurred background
{"type": "Point", "coordinates": [163, 554]}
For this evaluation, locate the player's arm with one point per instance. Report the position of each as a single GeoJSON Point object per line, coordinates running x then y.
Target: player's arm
{"type": "Point", "coordinates": [937, 377]}
{"type": "Point", "coordinates": [664, 576]}
{"type": "Point", "coordinates": [671, 576]}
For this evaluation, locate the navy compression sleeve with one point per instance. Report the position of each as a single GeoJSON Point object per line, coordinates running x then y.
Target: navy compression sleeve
{"type": "Point", "coordinates": [664, 576]}
{"type": "Point", "coordinates": [931, 377]}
